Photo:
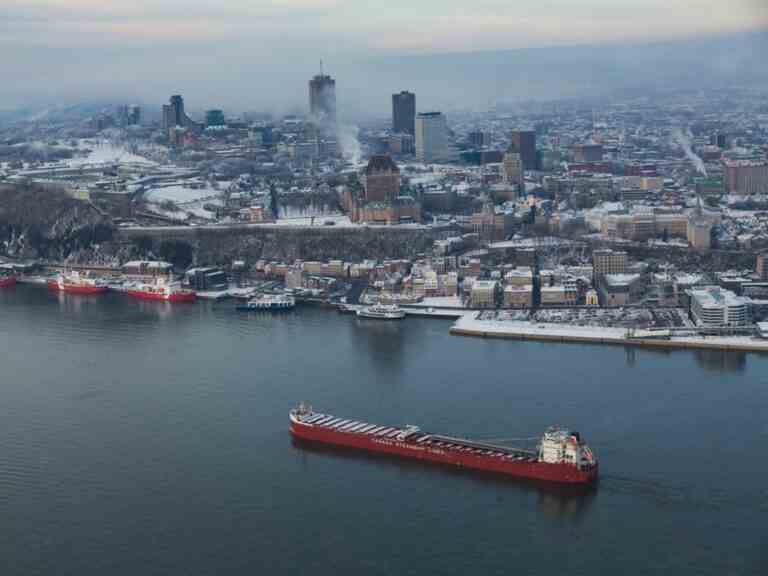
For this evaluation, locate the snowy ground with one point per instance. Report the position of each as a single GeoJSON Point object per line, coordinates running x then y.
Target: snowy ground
{"type": "Point", "coordinates": [104, 152]}
{"type": "Point", "coordinates": [533, 242]}
{"type": "Point", "coordinates": [339, 221]}
{"type": "Point", "coordinates": [180, 193]}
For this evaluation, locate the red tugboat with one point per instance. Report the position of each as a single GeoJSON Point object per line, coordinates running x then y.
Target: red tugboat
{"type": "Point", "coordinates": [561, 456]}
{"type": "Point", "coordinates": [75, 283]}
{"type": "Point", "coordinates": [7, 280]}
{"type": "Point", "coordinates": [162, 291]}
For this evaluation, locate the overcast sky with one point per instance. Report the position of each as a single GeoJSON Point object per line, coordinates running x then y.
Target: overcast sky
{"type": "Point", "coordinates": [239, 52]}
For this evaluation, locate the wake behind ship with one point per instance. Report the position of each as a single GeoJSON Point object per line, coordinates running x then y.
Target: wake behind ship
{"type": "Point", "coordinates": [561, 455]}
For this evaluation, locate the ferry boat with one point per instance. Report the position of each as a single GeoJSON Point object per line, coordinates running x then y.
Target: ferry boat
{"type": "Point", "coordinates": [76, 283]}
{"type": "Point", "coordinates": [561, 456]}
{"type": "Point", "coordinates": [7, 280]}
{"type": "Point", "coordinates": [162, 291]}
{"type": "Point", "coordinates": [278, 303]}
{"type": "Point", "coordinates": [382, 312]}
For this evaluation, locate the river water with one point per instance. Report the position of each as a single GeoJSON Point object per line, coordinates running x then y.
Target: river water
{"type": "Point", "coordinates": [145, 438]}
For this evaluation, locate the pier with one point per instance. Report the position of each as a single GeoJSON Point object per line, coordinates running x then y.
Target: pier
{"type": "Point", "coordinates": [469, 325]}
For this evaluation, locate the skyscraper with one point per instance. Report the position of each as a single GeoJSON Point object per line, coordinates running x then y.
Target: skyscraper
{"type": "Point", "coordinates": [134, 114]}
{"type": "Point", "coordinates": [215, 118]}
{"type": "Point", "coordinates": [322, 100]}
{"type": "Point", "coordinates": [431, 137]}
{"type": "Point", "coordinates": [524, 142]}
{"type": "Point", "coordinates": [404, 113]}
{"type": "Point", "coordinates": [174, 114]}
{"type": "Point", "coordinates": [513, 168]}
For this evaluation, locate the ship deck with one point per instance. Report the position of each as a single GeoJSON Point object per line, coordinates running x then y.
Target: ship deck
{"type": "Point", "coordinates": [416, 437]}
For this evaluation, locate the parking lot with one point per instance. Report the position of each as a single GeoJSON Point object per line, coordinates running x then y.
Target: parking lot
{"type": "Point", "coordinates": [602, 317]}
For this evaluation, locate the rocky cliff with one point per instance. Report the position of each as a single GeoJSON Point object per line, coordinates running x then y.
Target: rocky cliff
{"type": "Point", "coordinates": [43, 222]}
{"type": "Point", "coordinates": [220, 246]}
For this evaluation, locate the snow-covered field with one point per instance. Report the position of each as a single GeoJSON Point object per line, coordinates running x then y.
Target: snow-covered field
{"type": "Point", "coordinates": [180, 193]}
{"type": "Point", "coordinates": [104, 152]}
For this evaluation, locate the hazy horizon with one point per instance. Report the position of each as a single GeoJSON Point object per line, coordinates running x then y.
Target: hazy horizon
{"type": "Point", "coordinates": [260, 55]}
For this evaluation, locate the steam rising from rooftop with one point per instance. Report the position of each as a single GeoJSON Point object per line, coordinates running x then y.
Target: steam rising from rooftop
{"type": "Point", "coordinates": [685, 142]}
{"type": "Point", "coordinates": [347, 136]}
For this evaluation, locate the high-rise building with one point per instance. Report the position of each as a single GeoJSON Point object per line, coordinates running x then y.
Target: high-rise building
{"type": "Point", "coordinates": [134, 114]}
{"type": "Point", "coordinates": [588, 153]}
{"type": "Point", "coordinates": [215, 118]}
{"type": "Point", "coordinates": [609, 262]}
{"type": "Point", "coordinates": [431, 137]}
{"type": "Point", "coordinates": [513, 168]}
{"type": "Point", "coordinates": [524, 141]}
{"type": "Point", "coordinates": [400, 144]}
{"type": "Point", "coordinates": [174, 114]}
{"type": "Point", "coordinates": [761, 266]}
{"type": "Point", "coordinates": [479, 139]}
{"type": "Point", "coordinates": [404, 113]}
{"type": "Point", "coordinates": [322, 100]}
{"type": "Point", "coordinates": [720, 140]}
{"type": "Point", "coordinates": [745, 177]}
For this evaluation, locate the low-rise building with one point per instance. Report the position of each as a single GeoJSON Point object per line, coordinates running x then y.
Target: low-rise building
{"type": "Point", "coordinates": [483, 294]}
{"type": "Point", "coordinates": [713, 307]}
{"type": "Point", "coordinates": [518, 296]}
{"type": "Point", "coordinates": [620, 289]}
{"type": "Point", "coordinates": [521, 276]}
{"type": "Point", "coordinates": [555, 296]}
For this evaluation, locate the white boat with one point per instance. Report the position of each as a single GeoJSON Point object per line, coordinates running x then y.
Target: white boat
{"type": "Point", "coordinates": [270, 303]}
{"type": "Point", "coordinates": [382, 312]}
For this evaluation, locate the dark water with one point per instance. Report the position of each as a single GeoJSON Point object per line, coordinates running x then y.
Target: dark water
{"type": "Point", "coordinates": [141, 438]}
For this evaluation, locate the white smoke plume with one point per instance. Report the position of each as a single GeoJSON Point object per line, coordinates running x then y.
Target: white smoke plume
{"type": "Point", "coordinates": [350, 144]}
{"type": "Point", "coordinates": [685, 142]}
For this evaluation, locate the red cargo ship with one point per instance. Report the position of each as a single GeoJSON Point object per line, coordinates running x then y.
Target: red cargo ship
{"type": "Point", "coordinates": [163, 291]}
{"type": "Point", "coordinates": [74, 283]}
{"type": "Point", "coordinates": [6, 281]}
{"type": "Point", "coordinates": [561, 455]}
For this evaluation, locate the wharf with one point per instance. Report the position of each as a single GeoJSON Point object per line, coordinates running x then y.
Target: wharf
{"type": "Point", "coordinates": [469, 325]}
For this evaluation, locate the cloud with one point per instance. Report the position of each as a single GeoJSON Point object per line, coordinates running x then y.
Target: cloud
{"type": "Point", "coordinates": [398, 25]}
{"type": "Point", "coordinates": [255, 52]}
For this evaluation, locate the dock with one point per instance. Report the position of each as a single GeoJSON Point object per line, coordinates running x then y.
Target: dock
{"type": "Point", "coordinates": [469, 325]}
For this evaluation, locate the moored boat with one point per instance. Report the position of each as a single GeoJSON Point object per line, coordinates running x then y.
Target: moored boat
{"type": "Point", "coordinates": [382, 312]}
{"type": "Point", "coordinates": [276, 303]}
{"type": "Point", "coordinates": [161, 291]}
{"type": "Point", "coordinates": [561, 455]}
{"type": "Point", "coordinates": [76, 283]}
{"type": "Point", "coordinates": [7, 280]}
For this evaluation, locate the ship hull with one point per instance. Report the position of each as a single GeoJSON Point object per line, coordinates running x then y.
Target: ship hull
{"type": "Point", "coordinates": [247, 308]}
{"type": "Point", "coordinates": [7, 281]}
{"type": "Point", "coordinates": [76, 288]}
{"type": "Point", "coordinates": [539, 471]}
{"type": "Point", "coordinates": [390, 317]}
{"type": "Point", "coordinates": [174, 297]}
